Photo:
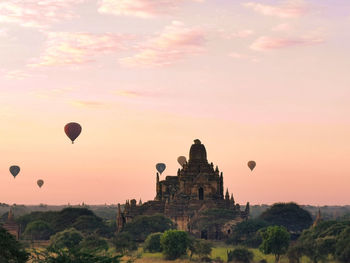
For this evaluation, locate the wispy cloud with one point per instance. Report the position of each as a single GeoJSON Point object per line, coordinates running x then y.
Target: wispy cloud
{"type": "Point", "coordinates": [15, 74]}
{"type": "Point", "coordinates": [244, 33]}
{"type": "Point", "coordinates": [65, 48]}
{"type": "Point", "coordinates": [175, 43]}
{"type": "Point", "coordinates": [140, 8]}
{"type": "Point", "coordinates": [289, 9]}
{"type": "Point", "coordinates": [236, 55]}
{"type": "Point", "coordinates": [36, 13]}
{"type": "Point", "coordinates": [88, 103]}
{"type": "Point", "coordinates": [270, 43]}
{"type": "Point", "coordinates": [284, 27]}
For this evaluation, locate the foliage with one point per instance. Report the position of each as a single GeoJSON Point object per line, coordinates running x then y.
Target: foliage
{"type": "Point", "coordinates": [56, 221]}
{"type": "Point", "coordinates": [275, 241]}
{"type": "Point", "coordinates": [152, 243]}
{"type": "Point", "coordinates": [174, 243]}
{"type": "Point", "coordinates": [317, 243]}
{"type": "Point", "coordinates": [38, 230]}
{"type": "Point", "coordinates": [289, 215]}
{"type": "Point", "coordinates": [342, 252]}
{"type": "Point", "coordinates": [247, 233]}
{"type": "Point", "coordinates": [72, 256]}
{"type": "Point", "coordinates": [93, 243]}
{"type": "Point", "coordinates": [124, 242]}
{"type": "Point", "coordinates": [47, 217]}
{"type": "Point", "coordinates": [68, 216]}
{"type": "Point", "coordinates": [67, 239]}
{"type": "Point", "coordinates": [199, 247]}
{"type": "Point", "coordinates": [10, 249]}
{"type": "Point", "coordinates": [294, 253]}
{"type": "Point", "coordinates": [240, 254]}
{"type": "Point", "coordinates": [141, 226]}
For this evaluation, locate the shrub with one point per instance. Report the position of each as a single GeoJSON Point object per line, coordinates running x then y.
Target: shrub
{"type": "Point", "coordinates": [242, 255]}
{"type": "Point", "coordinates": [152, 243]}
{"type": "Point", "coordinates": [174, 243]}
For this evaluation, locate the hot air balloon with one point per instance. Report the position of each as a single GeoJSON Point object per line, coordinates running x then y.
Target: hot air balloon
{"type": "Point", "coordinates": [251, 165]}
{"type": "Point", "coordinates": [40, 183]}
{"type": "Point", "coordinates": [14, 170]}
{"type": "Point", "coordinates": [160, 167]}
{"type": "Point", "coordinates": [72, 130]}
{"type": "Point", "coordinates": [181, 160]}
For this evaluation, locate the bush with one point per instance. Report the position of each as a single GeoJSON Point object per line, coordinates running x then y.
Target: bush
{"type": "Point", "coordinates": [202, 248]}
{"type": "Point", "coordinates": [241, 255]}
{"type": "Point", "coordinates": [124, 242]}
{"type": "Point", "coordinates": [141, 226]}
{"type": "Point", "coordinates": [174, 243]}
{"type": "Point", "coordinates": [38, 230]}
{"type": "Point", "coordinates": [10, 249]}
{"type": "Point", "coordinates": [290, 215]}
{"type": "Point", "coordinates": [152, 243]}
{"type": "Point", "coordinates": [67, 239]}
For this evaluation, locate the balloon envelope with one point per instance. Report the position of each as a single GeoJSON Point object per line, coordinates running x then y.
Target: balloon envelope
{"type": "Point", "coordinates": [251, 165]}
{"type": "Point", "coordinates": [160, 167]}
{"type": "Point", "coordinates": [181, 160]}
{"type": "Point", "coordinates": [40, 183]}
{"type": "Point", "coordinates": [72, 130]}
{"type": "Point", "coordinates": [14, 170]}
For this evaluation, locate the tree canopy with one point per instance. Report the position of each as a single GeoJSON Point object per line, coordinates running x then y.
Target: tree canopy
{"type": "Point", "coordinates": [275, 240]}
{"type": "Point", "coordinates": [290, 215]}
{"type": "Point", "coordinates": [10, 249]}
{"type": "Point", "coordinates": [174, 243]}
{"type": "Point", "coordinates": [141, 226]}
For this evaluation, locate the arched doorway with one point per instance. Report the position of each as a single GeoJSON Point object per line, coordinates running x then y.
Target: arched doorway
{"type": "Point", "coordinates": [200, 193]}
{"type": "Point", "coordinates": [204, 234]}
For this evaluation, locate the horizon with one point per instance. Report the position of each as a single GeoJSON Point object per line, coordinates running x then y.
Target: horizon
{"type": "Point", "coordinates": [253, 80]}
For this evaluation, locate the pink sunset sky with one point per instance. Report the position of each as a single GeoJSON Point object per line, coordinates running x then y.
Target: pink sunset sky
{"type": "Point", "coordinates": [253, 80]}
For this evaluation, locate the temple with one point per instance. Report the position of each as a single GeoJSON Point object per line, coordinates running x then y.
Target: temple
{"type": "Point", "coordinates": [11, 226]}
{"type": "Point", "coordinates": [197, 187]}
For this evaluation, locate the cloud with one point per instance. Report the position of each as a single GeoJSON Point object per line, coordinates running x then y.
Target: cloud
{"type": "Point", "coordinates": [269, 43]}
{"type": "Point", "coordinates": [236, 55]}
{"type": "Point", "coordinates": [88, 103]}
{"type": "Point", "coordinates": [36, 13]}
{"type": "Point", "coordinates": [290, 9]}
{"type": "Point", "coordinates": [140, 8]}
{"type": "Point", "coordinates": [15, 74]}
{"type": "Point", "coordinates": [65, 48]}
{"type": "Point", "coordinates": [174, 44]}
{"type": "Point", "coordinates": [244, 33]}
{"type": "Point", "coordinates": [282, 28]}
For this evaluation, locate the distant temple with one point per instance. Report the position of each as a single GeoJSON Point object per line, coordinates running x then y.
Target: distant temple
{"type": "Point", "coordinates": [197, 187]}
{"type": "Point", "coordinates": [318, 219]}
{"type": "Point", "coordinates": [11, 226]}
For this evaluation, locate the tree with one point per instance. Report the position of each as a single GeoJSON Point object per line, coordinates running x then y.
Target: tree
{"type": "Point", "coordinates": [174, 243]}
{"type": "Point", "coordinates": [247, 233]}
{"type": "Point", "coordinates": [38, 230]}
{"type": "Point", "coordinates": [275, 241]}
{"type": "Point", "coordinates": [93, 243]}
{"type": "Point", "coordinates": [294, 253]}
{"type": "Point", "coordinates": [152, 243]}
{"type": "Point", "coordinates": [124, 242]}
{"type": "Point", "coordinates": [342, 252]}
{"type": "Point", "coordinates": [10, 249]}
{"type": "Point", "coordinates": [199, 247]}
{"type": "Point", "coordinates": [141, 226]}
{"type": "Point", "coordinates": [290, 215]}
{"type": "Point", "coordinates": [241, 255]}
{"type": "Point", "coordinates": [67, 239]}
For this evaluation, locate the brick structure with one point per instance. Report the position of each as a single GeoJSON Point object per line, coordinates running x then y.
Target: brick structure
{"type": "Point", "coordinates": [197, 187]}
{"type": "Point", "coordinates": [11, 226]}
